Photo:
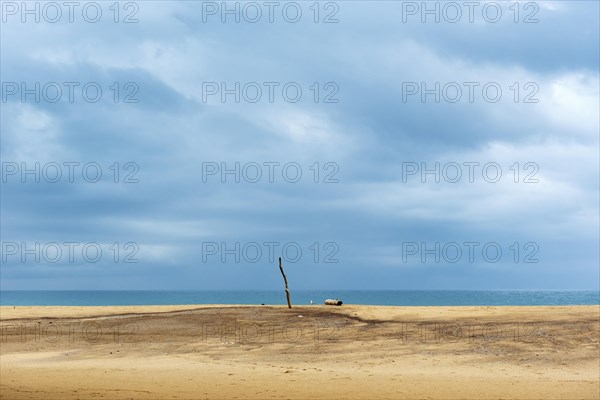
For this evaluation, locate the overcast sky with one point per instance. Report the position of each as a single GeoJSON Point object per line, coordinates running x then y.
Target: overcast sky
{"type": "Point", "coordinates": [168, 117]}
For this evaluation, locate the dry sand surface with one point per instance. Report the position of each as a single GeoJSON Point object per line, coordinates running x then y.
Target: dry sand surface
{"type": "Point", "coordinates": [310, 352]}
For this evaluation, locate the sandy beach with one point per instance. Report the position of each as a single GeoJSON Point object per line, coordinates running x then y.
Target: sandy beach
{"type": "Point", "coordinates": [308, 352]}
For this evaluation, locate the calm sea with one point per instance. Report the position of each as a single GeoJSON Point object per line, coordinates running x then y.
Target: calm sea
{"type": "Point", "coordinates": [379, 297]}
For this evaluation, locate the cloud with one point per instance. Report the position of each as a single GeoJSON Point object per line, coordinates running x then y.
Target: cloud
{"type": "Point", "coordinates": [351, 152]}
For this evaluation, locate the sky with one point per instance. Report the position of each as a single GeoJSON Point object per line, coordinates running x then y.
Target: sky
{"type": "Point", "coordinates": [370, 144]}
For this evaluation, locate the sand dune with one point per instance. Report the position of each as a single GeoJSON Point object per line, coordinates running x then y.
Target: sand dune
{"type": "Point", "coordinates": [312, 352]}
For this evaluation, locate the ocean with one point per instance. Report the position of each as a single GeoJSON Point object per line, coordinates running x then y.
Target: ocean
{"type": "Point", "coordinates": [302, 297]}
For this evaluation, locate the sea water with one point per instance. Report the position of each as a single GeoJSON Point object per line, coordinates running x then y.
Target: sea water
{"type": "Point", "coordinates": [302, 297]}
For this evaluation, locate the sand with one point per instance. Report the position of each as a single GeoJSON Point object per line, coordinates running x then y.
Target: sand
{"type": "Point", "coordinates": [309, 352]}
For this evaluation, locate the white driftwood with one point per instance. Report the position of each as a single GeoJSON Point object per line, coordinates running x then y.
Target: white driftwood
{"type": "Point", "coordinates": [331, 302]}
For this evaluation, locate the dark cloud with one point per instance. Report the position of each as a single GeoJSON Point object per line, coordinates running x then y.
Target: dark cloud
{"type": "Point", "coordinates": [171, 134]}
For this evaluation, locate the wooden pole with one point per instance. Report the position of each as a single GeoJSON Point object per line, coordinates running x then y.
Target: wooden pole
{"type": "Point", "coordinates": [287, 289]}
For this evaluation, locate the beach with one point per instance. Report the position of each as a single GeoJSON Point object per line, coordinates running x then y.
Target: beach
{"type": "Point", "coordinates": [307, 352]}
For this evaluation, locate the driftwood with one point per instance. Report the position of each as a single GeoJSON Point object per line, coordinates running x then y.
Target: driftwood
{"type": "Point", "coordinates": [331, 302]}
{"type": "Point", "coordinates": [287, 290]}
